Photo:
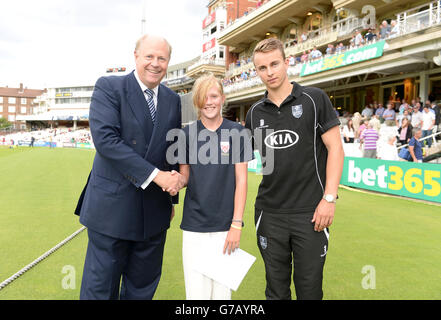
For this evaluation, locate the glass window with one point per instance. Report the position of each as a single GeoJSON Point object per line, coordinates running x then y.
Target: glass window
{"type": "Point", "coordinates": [11, 100]}
{"type": "Point", "coordinates": [11, 109]}
{"type": "Point", "coordinates": [11, 117]}
{"type": "Point", "coordinates": [23, 110]}
{"type": "Point", "coordinates": [23, 100]}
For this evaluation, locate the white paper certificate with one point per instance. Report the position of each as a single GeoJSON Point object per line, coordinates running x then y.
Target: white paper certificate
{"type": "Point", "coordinates": [227, 269]}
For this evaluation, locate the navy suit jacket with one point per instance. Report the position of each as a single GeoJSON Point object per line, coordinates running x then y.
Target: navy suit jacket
{"type": "Point", "coordinates": [128, 148]}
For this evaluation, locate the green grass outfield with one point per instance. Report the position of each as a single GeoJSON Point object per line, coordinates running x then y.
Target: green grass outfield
{"type": "Point", "coordinates": [399, 238]}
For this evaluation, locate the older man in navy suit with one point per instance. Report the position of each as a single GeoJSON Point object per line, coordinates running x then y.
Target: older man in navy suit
{"type": "Point", "coordinates": [123, 204]}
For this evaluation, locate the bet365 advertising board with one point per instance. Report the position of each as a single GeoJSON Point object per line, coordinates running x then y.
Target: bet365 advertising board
{"type": "Point", "coordinates": [409, 179]}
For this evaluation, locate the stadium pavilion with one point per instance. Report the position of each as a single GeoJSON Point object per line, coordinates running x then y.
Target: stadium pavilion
{"type": "Point", "coordinates": [402, 63]}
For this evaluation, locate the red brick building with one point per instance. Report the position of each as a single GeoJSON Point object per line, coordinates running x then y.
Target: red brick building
{"type": "Point", "coordinates": [17, 101]}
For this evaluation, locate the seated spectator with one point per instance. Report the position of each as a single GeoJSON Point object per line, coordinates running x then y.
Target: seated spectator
{"type": "Point", "coordinates": [367, 112]}
{"type": "Point", "coordinates": [369, 138]}
{"type": "Point", "coordinates": [400, 117]}
{"type": "Point", "coordinates": [389, 115]}
{"type": "Point", "coordinates": [404, 132]}
{"type": "Point", "coordinates": [303, 37]}
{"type": "Point", "coordinates": [389, 150]}
{"type": "Point", "coordinates": [348, 132]}
{"type": "Point", "coordinates": [380, 110]}
{"type": "Point", "coordinates": [415, 146]}
{"type": "Point", "coordinates": [403, 106]}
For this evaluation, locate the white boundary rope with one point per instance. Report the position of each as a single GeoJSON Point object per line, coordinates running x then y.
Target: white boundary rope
{"type": "Point", "coordinates": [41, 258]}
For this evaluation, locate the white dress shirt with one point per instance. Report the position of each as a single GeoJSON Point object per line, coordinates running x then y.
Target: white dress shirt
{"type": "Point", "coordinates": [155, 102]}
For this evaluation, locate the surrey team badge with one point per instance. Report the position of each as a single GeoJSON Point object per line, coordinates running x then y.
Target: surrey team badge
{"type": "Point", "coordinates": [297, 111]}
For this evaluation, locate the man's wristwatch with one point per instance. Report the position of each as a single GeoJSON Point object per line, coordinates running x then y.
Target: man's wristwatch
{"type": "Point", "coordinates": [330, 198]}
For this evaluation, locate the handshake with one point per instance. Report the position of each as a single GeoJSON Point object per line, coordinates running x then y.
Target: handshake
{"type": "Point", "coordinates": [170, 181]}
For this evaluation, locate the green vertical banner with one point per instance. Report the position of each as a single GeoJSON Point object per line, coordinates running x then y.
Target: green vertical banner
{"type": "Point", "coordinates": [408, 179]}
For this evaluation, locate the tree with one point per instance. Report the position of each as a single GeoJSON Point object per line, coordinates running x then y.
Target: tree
{"type": "Point", "coordinates": [4, 123]}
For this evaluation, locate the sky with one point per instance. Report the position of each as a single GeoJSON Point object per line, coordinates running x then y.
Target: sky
{"type": "Point", "coordinates": [54, 43]}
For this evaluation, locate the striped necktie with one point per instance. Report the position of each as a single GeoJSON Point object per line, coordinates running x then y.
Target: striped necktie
{"type": "Point", "coordinates": [151, 103]}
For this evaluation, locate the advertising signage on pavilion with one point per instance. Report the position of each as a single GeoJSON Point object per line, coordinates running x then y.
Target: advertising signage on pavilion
{"type": "Point", "coordinates": [349, 57]}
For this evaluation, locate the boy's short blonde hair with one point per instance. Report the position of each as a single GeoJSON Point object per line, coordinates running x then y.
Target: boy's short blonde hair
{"type": "Point", "coordinates": [268, 45]}
{"type": "Point", "coordinates": [200, 90]}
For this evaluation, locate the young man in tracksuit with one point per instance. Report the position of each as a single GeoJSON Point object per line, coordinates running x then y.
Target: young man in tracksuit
{"type": "Point", "coordinates": [297, 134]}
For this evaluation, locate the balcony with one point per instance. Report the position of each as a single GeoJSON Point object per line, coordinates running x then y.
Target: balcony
{"type": "Point", "coordinates": [215, 66]}
{"type": "Point", "coordinates": [272, 16]}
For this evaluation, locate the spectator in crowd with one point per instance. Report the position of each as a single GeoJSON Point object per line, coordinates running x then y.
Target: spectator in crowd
{"type": "Point", "coordinates": [393, 29]}
{"type": "Point", "coordinates": [370, 36]}
{"type": "Point", "coordinates": [304, 37]}
{"type": "Point", "coordinates": [415, 146]}
{"type": "Point", "coordinates": [416, 119]}
{"type": "Point", "coordinates": [369, 138]}
{"type": "Point", "coordinates": [340, 48]}
{"type": "Point", "coordinates": [358, 40]}
{"type": "Point", "coordinates": [315, 54]}
{"type": "Point", "coordinates": [362, 127]}
{"type": "Point", "coordinates": [367, 112]}
{"type": "Point", "coordinates": [292, 60]}
{"type": "Point", "coordinates": [356, 121]}
{"type": "Point", "coordinates": [405, 131]}
{"type": "Point", "coordinates": [403, 106]}
{"type": "Point", "coordinates": [304, 57]}
{"type": "Point", "coordinates": [389, 150]}
{"type": "Point", "coordinates": [352, 43]}
{"type": "Point", "coordinates": [428, 122]}
{"type": "Point", "coordinates": [380, 110]}
{"type": "Point", "coordinates": [389, 115]}
{"type": "Point", "coordinates": [330, 49]}
{"type": "Point", "coordinates": [437, 111]}
{"type": "Point", "coordinates": [384, 30]}
{"type": "Point", "coordinates": [348, 132]}
{"type": "Point", "coordinates": [376, 124]}
{"type": "Point", "coordinates": [400, 117]}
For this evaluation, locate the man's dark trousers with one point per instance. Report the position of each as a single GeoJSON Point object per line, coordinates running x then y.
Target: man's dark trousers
{"type": "Point", "coordinates": [127, 261]}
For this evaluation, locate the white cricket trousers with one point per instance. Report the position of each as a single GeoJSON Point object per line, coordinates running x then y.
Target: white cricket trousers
{"type": "Point", "coordinates": [198, 286]}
